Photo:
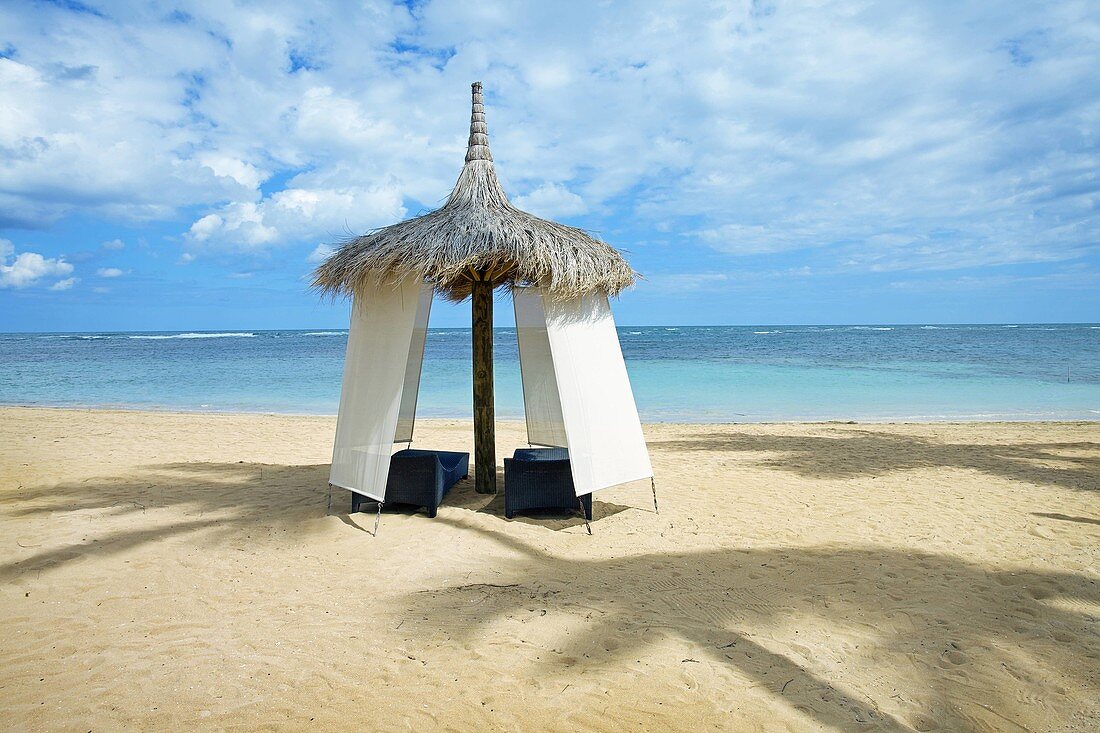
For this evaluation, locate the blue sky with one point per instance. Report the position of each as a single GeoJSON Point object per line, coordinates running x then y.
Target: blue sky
{"type": "Point", "coordinates": [183, 165]}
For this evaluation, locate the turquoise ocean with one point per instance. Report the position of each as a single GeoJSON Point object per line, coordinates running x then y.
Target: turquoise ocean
{"type": "Point", "coordinates": [689, 374]}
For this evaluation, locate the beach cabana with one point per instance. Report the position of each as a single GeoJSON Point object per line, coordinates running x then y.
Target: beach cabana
{"type": "Point", "coordinates": [575, 387]}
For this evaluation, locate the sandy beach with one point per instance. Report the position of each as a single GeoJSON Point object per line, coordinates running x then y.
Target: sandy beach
{"type": "Point", "coordinates": [166, 571]}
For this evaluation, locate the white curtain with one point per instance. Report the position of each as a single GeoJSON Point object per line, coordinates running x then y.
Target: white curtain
{"type": "Point", "coordinates": [595, 407]}
{"type": "Point", "coordinates": [407, 414]}
{"type": "Point", "coordinates": [379, 341]}
{"type": "Point", "coordinates": [541, 402]}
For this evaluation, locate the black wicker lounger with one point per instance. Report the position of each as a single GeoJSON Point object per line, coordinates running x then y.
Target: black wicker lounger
{"type": "Point", "coordinates": [421, 478]}
{"type": "Point", "coordinates": [539, 478]}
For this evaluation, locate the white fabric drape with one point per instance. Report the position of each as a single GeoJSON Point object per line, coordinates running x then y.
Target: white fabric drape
{"type": "Point", "coordinates": [406, 417]}
{"type": "Point", "coordinates": [541, 402]}
{"type": "Point", "coordinates": [596, 411]}
{"type": "Point", "coordinates": [379, 341]}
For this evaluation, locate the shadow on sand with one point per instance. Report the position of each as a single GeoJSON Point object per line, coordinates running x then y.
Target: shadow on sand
{"type": "Point", "coordinates": [218, 498]}
{"type": "Point", "coordinates": [972, 637]}
{"type": "Point", "coordinates": [857, 452]}
{"type": "Point", "coordinates": [228, 497]}
{"type": "Point", "coordinates": [978, 641]}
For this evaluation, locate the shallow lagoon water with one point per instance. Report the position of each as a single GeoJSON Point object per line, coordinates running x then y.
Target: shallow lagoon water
{"type": "Point", "coordinates": [689, 374]}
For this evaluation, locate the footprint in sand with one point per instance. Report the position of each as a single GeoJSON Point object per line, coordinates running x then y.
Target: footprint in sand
{"type": "Point", "coordinates": [953, 656]}
{"type": "Point", "coordinates": [1041, 532]}
{"type": "Point", "coordinates": [924, 723]}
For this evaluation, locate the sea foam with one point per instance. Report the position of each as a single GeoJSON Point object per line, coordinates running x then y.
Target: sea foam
{"type": "Point", "coordinates": [242, 335]}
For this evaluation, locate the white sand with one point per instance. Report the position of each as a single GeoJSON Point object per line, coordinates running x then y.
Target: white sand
{"type": "Point", "coordinates": [177, 572]}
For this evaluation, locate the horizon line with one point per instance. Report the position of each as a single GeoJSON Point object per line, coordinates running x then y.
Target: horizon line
{"type": "Point", "coordinates": [617, 325]}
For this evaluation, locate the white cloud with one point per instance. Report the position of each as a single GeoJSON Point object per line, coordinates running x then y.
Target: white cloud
{"type": "Point", "coordinates": [114, 244]}
{"type": "Point", "coordinates": [1074, 278]}
{"type": "Point", "coordinates": [740, 239]}
{"type": "Point", "coordinates": [27, 268]}
{"type": "Point", "coordinates": [205, 227]}
{"type": "Point", "coordinates": [297, 214]}
{"type": "Point", "coordinates": [224, 166]}
{"type": "Point", "coordinates": [816, 126]}
{"type": "Point", "coordinates": [109, 272]}
{"type": "Point", "coordinates": [320, 253]}
{"type": "Point", "coordinates": [684, 282]}
{"type": "Point", "coordinates": [552, 200]}
{"type": "Point", "coordinates": [240, 222]}
{"type": "Point", "coordinates": [65, 284]}
{"type": "Point", "coordinates": [715, 282]}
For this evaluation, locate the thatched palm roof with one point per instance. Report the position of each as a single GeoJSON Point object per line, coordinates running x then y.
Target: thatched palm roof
{"type": "Point", "coordinates": [477, 235]}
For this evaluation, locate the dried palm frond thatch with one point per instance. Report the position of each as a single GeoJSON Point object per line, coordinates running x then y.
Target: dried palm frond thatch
{"type": "Point", "coordinates": [477, 235]}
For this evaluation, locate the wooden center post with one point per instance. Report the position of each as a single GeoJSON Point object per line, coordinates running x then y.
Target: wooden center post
{"type": "Point", "coordinates": [485, 451]}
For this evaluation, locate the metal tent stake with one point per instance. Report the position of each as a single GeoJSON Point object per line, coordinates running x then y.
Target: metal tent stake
{"type": "Point", "coordinates": [378, 518]}
{"type": "Point", "coordinates": [653, 485]}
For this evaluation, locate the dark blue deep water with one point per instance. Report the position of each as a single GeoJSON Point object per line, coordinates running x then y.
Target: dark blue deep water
{"type": "Point", "coordinates": [699, 374]}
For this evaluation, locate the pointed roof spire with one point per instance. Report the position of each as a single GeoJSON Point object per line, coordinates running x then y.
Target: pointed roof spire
{"type": "Point", "coordinates": [478, 147]}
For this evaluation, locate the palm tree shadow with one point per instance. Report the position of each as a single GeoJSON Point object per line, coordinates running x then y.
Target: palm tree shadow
{"type": "Point", "coordinates": [954, 625]}
{"type": "Point", "coordinates": [961, 626]}
{"type": "Point", "coordinates": [849, 453]}
{"type": "Point", "coordinates": [1065, 517]}
{"type": "Point", "coordinates": [218, 499]}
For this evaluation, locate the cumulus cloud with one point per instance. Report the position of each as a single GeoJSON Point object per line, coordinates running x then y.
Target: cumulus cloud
{"type": "Point", "coordinates": [966, 130]}
{"type": "Point", "coordinates": [320, 253]}
{"type": "Point", "coordinates": [241, 223]}
{"type": "Point", "coordinates": [552, 200]}
{"type": "Point", "coordinates": [235, 169]}
{"type": "Point", "coordinates": [109, 272]}
{"type": "Point", "coordinates": [295, 214]}
{"type": "Point", "coordinates": [114, 244]}
{"type": "Point", "coordinates": [65, 284]}
{"type": "Point", "coordinates": [25, 269]}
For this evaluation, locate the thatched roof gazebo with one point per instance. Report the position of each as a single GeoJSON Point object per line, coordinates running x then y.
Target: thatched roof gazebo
{"type": "Point", "coordinates": [476, 242]}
